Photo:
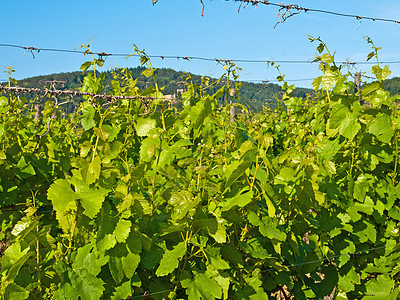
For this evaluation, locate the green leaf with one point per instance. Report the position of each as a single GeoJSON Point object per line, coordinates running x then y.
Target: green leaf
{"type": "Point", "coordinates": [144, 126]}
{"type": "Point", "coordinates": [86, 65]}
{"type": "Point", "coordinates": [329, 80]}
{"type": "Point", "coordinates": [215, 259]}
{"type": "Point", "coordinates": [243, 198]}
{"type": "Point", "coordinates": [285, 176]}
{"type": "Point", "coordinates": [381, 74]}
{"type": "Point", "coordinates": [348, 281]}
{"type": "Point", "coordinates": [91, 198]}
{"type": "Point", "coordinates": [81, 285]}
{"type": "Point", "coordinates": [63, 199]}
{"type": "Point", "coordinates": [122, 230]}
{"type": "Point", "coordinates": [170, 259]}
{"type": "Point", "coordinates": [25, 170]}
{"type": "Point", "coordinates": [86, 259]}
{"type": "Point", "coordinates": [15, 292]}
{"type": "Point", "coordinates": [105, 239]}
{"type": "Point", "coordinates": [130, 263]}
{"type": "Point", "coordinates": [115, 266]}
{"type": "Point", "coordinates": [147, 72]}
{"type": "Point", "coordinates": [381, 127]}
{"type": "Point", "coordinates": [361, 186]}
{"type": "Point", "coordinates": [14, 258]}
{"type": "Point", "coordinates": [236, 173]}
{"type": "Point", "coordinates": [379, 97]}
{"type": "Point", "coordinates": [93, 171]}
{"type": "Point", "coordinates": [3, 101]}
{"type": "Point", "coordinates": [88, 113]}
{"type": "Point", "coordinates": [266, 226]}
{"type": "Point", "coordinates": [254, 248]}
{"type": "Point", "coordinates": [183, 202]}
{"type": "Point", "coordinates": [339, 113]}
{"type": "Point", "coordinates": [123, 291]}
{"type": "Point", "coordinates": [25, 224]}
{"type": "Point", "coordinates": [349, 126]}
{"type": "Point", "coordinates": [148, 148]}
{"type": "Point", "coordinates": [202, 287]}
{"type": "Point", "coordinates": [381, 288]}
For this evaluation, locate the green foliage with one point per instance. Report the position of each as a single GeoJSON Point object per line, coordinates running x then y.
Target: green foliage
{"type": "Point", "coordinates": [126, 200]}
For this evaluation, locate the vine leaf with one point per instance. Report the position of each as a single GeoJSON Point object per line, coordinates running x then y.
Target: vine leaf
{"type": "Point", "coordinates": [170, 260]}
{"type": "Point", "coordinates": [14, 291]}
{"type": "Point", "coordinates": [381, 288]}
{"type": "Point", "coordinates": [63, 199]}
{"type": "Point", "coordinates": [130, 263]}
{"type": "Point", "coordinates": [241, 200]}
{"type": "Point", "coordinates": [202, 287]}
{"type": "Point", "coordinates": [182, 202]}
{"type": "Point", "coordinates": [235, 172]}
{"type": "Point", "coordinates": [381, 127]}
{"type": "Point", "coordinates": [144, 126]}
{"type": "Point", "coordinates": [91, 198]}
{"type": "Point", "coordinates": [122, 230]}
{"type": "Point", "coordinates": [81, 285]}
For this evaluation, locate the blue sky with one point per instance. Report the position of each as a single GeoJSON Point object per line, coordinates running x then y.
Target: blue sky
{"type": "Point", "coordinates": [176, 27]}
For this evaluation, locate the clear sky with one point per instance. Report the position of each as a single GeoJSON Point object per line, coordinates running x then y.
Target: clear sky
{"type": "Point", "coordinates": [176, 27]}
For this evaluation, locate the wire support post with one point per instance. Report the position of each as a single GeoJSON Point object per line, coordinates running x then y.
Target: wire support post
{"type": "Point", "coordinates": [357, 87]}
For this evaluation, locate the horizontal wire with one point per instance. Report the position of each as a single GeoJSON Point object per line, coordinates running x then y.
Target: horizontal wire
{"type": "Point", "coordinates": [19, 89]}
{"type": "Point", "coordinates": [189, 58]}
{"type": "Point", "coordinates": [298, 9]}
{"type": "Point", "coordinates": [274, 80]}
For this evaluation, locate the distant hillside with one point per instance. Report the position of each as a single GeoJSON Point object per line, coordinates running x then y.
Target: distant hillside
{"type": "Point", "coordinates": [252, 95]}
{"type": "Point", "coordinates": [392, 86]}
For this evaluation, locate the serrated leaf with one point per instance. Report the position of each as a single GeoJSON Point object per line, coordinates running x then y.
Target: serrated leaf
{"type": "Point", "coordinates": [349, 126]}
{"type": "Point", "coordinates": [170, 259]}
{"type": "Point", "coordinates": [93, 171]}
{"type": "Point", "coordinates": [88, 116]}
{"type": "Point", "coordinates": [144, 126]}
{"type": "Point", "coordinates": [381, 127]}
{"type": "Point", "coordinates": [15, 292]}
{"type": "Point", "coordinates": [86, 65]}
{"type": "Point", "coordinates": [24, 170]}
{"type": "Point", "coordinates": [266, 226]}
{"type": "Point", "coordinates": [81, 285]}
{"type": "Point", "coordinates": [91, 198]}
{"type": "Point", "coordinates": [236, 173]}
{"type": "Point", "coordinates": [381, 74]}
{"type": "Point", "coordinates": [86, 259]}
{"type": "Point", "coordinates": [329, 80]}
{"type": "Point", "coordinates": [254, 248]}
{"type": "Point", "coordinates": [63, 199]}
{"type": "Point", "coordinates": [381, 288]}
{"type": "Point", "coordinates": [147, 72]}
{"type": "Point", "coordinates": [182, 202]}
{"type": "Point", "coordinates": [123, 291]}
{"type": "Point", "coordinates": [115, 266]}
{"type": "Point", "coordinates": [348, 281]}
{"type": "Point", "coordinates": [202, 287]}
{"type": "Point", "coordinates": [13, 258]}
{"type": "Point", "coordinates": [148, 148]}
{"type": "Point", "coordinates": [130, 263]}
{"type": "Point", "coordinates": [242, 199]}
{"type": "Point", "coordinates": [122, 230]}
